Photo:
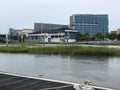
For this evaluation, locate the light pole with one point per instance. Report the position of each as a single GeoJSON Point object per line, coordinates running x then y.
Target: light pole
{"type": "Point", "coordinates": [7, 40]}
{"type": "Point", "coordinates": [43, 36]}
{"type": "Point", "coordinates": [22, 39]}
{"type": "Point", "coordinates": [41, 27]}
{"type": "Point", "coordinates": [41, 32]}
{"type": "Point", "coordinates": [68, 37]}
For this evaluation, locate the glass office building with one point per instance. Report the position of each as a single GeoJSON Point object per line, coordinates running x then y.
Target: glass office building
{"type": "Point", "coordinates": [41, 27]}
{"type": "Point", "coordinates": [89, 23]}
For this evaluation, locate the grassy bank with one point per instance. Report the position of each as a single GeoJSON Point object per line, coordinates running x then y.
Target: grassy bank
{"type": "Point", "coordinates": [64, 50]}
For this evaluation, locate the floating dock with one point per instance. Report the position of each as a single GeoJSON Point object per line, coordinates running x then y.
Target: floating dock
{"type": "Point", "coordinates": [19, 82]}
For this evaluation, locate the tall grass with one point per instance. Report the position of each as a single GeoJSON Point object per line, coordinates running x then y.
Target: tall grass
{"type": "Point", "coordinates": [64, 50]}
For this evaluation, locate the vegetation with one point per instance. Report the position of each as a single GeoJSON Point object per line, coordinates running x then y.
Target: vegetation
{"type": "Point", "coordinates": [98, 36]}
{"type": "Point", "coordinates": [2, 36]}
{"type": "Point", "coordinates": [85, 37]}
{"type": "Point", "coordinates": [64, 50]}
{"type": "Point", "coordinates": [18, 38]}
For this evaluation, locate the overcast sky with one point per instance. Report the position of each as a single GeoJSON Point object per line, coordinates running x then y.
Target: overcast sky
{"type": "Point", "coordinates": [23, 13]}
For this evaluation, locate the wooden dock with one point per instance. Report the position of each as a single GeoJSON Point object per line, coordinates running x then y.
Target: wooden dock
{"type": "Point", "coordinates": [10, 81]}
{"type": "Point", "coordinates": [18, 82]}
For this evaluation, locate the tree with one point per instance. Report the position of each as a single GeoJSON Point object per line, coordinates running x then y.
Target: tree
{"type": "Point", "coordinates": [107, 35]}
{"type": "Point", "coordinates": [118, 36]}
{"type": "Point", "coordinates": [99, 35]}
{"type": "Point", "coordinates": [85, 37]}
{"type": "Point", "coordinates": [78, 36]}
{"type": "Point", "coordinates": [113, 36]}
{"type": "Point", "coordinates": [2, 36]}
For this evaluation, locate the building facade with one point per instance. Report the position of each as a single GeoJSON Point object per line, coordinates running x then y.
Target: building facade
{"type": "Point", "coordinates": [118, 31]}
{"type": "Point", "coordinates": [41, 27]}
{"type": "Point", "coordinates": [89, 23]}
{"type": "Point", "coordinates": [19, 32]}
{"type": "Point", "coordinates": [113, 32]}
{"type": "Point", "coordinates": [53, 36]}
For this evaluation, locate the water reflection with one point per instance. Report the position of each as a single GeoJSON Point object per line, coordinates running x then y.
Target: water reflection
{"type": "Point", "coordinates": [102, 71]}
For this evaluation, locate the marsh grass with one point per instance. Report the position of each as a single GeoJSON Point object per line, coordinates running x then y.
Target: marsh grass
{"type": "Point", "coordinates": [64, 50]}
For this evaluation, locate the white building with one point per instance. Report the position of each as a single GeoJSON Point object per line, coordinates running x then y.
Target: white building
{"type": "Point", "coordinates": [53, 36]}
{"type": "Point", "coordinates": [18, 32]}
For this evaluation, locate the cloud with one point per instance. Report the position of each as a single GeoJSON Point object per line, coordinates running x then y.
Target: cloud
{"type": "Point", "coordinates": [20, 13]}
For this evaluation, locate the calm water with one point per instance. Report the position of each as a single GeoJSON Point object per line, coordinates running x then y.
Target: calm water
{"type": "Point", "coordinates": [101, 71]}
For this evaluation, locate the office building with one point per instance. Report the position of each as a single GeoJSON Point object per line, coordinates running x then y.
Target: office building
{"type": "Point", "coordinates": [41, 27]}
{"type": "Point", "coordinates": [89, 23]}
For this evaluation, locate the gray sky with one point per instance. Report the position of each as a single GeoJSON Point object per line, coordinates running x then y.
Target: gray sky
{"type": "Point", "coordinates": [23, 13]}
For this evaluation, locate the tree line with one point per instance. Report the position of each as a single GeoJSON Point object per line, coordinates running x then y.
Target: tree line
{"type": "Point", "coordinates": [98, 36]}
{"type": "Point", "coordinates": [10, 37]}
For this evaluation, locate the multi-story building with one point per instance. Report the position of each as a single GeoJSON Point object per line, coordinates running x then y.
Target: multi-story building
{"type": "Point", "coordinates": [118, 31]}
{"type": "Point", "coordinates": [89, 23]}
{"type": "Point", "coordinates": [41, 27]}
{"type": "Point", "coordinates": [18, 32]}
{"type": "Point", "coordinates": [113, 32]}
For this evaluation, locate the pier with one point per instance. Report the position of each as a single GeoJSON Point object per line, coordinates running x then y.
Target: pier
{"type": "Point", "coordinates": [18, 82]}
{"type": "Point", "coordinates": [10, 81]}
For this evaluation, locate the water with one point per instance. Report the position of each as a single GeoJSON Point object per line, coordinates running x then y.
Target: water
{"type": "Point", "coordinates": [102, 71]}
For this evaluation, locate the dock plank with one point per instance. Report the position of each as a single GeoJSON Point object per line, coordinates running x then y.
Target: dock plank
{"type": "Point", "coordinates": [12, 82]}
